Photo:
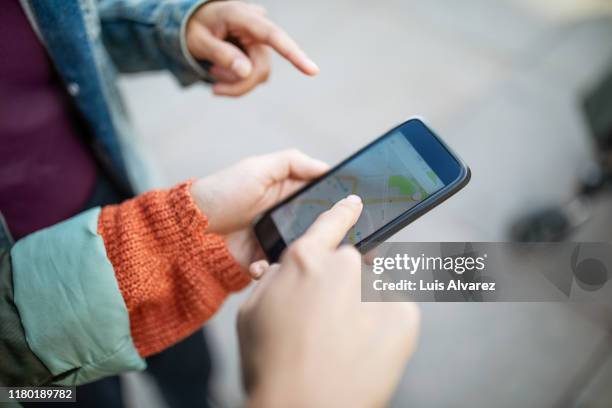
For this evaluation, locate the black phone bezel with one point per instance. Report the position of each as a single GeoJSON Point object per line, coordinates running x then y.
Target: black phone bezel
{"type": "Point", "coordinates": [273, 243]}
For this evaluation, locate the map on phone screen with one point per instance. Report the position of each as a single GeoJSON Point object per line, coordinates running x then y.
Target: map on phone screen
{"type": "Point", "coordinates": [390, 177]}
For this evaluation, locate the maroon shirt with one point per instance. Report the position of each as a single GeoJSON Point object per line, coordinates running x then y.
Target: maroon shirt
{"type": "Point", "coordinates": [46, 172]}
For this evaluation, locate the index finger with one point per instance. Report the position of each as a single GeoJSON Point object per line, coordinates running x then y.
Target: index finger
{"type": "Point", "coordinates": [331, 227]}
{"type": "Point", "coordinates": [268, 33]}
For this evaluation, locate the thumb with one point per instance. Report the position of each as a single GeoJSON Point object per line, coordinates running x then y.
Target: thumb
{"type": "Point", "coordinates": [204, 45]}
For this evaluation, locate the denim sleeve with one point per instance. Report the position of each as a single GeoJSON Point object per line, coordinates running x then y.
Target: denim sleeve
{"type": "Point", "coordinates": [146, 35]}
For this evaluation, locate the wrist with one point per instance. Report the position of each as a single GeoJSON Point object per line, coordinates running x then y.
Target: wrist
{"type": "Point", "coordinates": [200, 193]}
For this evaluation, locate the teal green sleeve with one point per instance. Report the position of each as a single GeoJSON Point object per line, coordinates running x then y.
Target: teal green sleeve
{"type": "Point", "coordinates": [19, 366]}
{"type": "Point", "coordinates": [73, 315]}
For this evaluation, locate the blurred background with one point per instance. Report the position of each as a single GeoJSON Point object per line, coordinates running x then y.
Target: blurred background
{"type": "Point", "coordinates": [516, 87]}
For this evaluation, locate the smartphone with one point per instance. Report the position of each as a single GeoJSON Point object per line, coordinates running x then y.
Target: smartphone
{"type": "Point", "coordinates": [399, 176]}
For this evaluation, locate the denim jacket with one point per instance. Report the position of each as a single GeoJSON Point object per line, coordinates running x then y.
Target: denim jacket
{"type": "Point", "coordinates": [62, 317]}
{"type": "Point", "coordinates": [91, 41]}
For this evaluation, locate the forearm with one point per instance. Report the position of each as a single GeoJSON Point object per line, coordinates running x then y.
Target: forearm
{"type": "Point", "coordinates": [69, 318]}
{"type": "Point", "coordinates": [97, 293]}
{"type": "Point", "coordinates": [172, 274]}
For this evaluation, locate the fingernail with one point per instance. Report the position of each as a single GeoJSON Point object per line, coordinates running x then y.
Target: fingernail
{"type": "Point", "coordinates": [321, 164]}
{"type": "Point", "coordinates": [354, 199]}
{"type": "Point", "coordinates": [311, 66]}
{"type": "Point", "coordinates": [257, 270]}
{"type": "Point", "coordinates": [242, 67]}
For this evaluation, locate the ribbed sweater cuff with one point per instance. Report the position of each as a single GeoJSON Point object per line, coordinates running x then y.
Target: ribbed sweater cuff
{"type": "Point", "coordinates": [172, 274]}
{"type": "Point", "coordinates": [214, 252]}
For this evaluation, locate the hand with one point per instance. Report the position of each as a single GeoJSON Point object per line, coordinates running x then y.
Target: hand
{"type": "Point", "coordinates": [306, 340]}
{"type": "Point", "coordinates": [239, 72]}
{"type": "Point", "coordinates": [232, 198]}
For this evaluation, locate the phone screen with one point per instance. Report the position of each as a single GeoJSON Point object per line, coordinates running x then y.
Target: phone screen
{"type": "Point", "coordinates": [390, 177]}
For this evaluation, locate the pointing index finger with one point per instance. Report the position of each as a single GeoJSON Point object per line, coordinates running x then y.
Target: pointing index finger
{"type": "Point", "coordinates": [331, 227]}
{"type": "Point", "coordinates": [268, 33]}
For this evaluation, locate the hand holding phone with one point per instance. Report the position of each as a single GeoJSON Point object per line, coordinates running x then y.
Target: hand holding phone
{"type": "Point", "coordinates": [399, 176]}
{"type": "Point", "coordinates": [233, 197]}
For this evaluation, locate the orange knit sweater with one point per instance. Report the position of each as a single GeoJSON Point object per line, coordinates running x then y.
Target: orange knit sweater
{"type": "Point", "coordinates": [171, 273]}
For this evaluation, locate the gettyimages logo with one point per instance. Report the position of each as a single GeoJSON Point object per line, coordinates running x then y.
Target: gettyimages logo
{"type": "Point", "coordinates": [485, 272]}
{"type": "Point", "coordinates": [459, 264]}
